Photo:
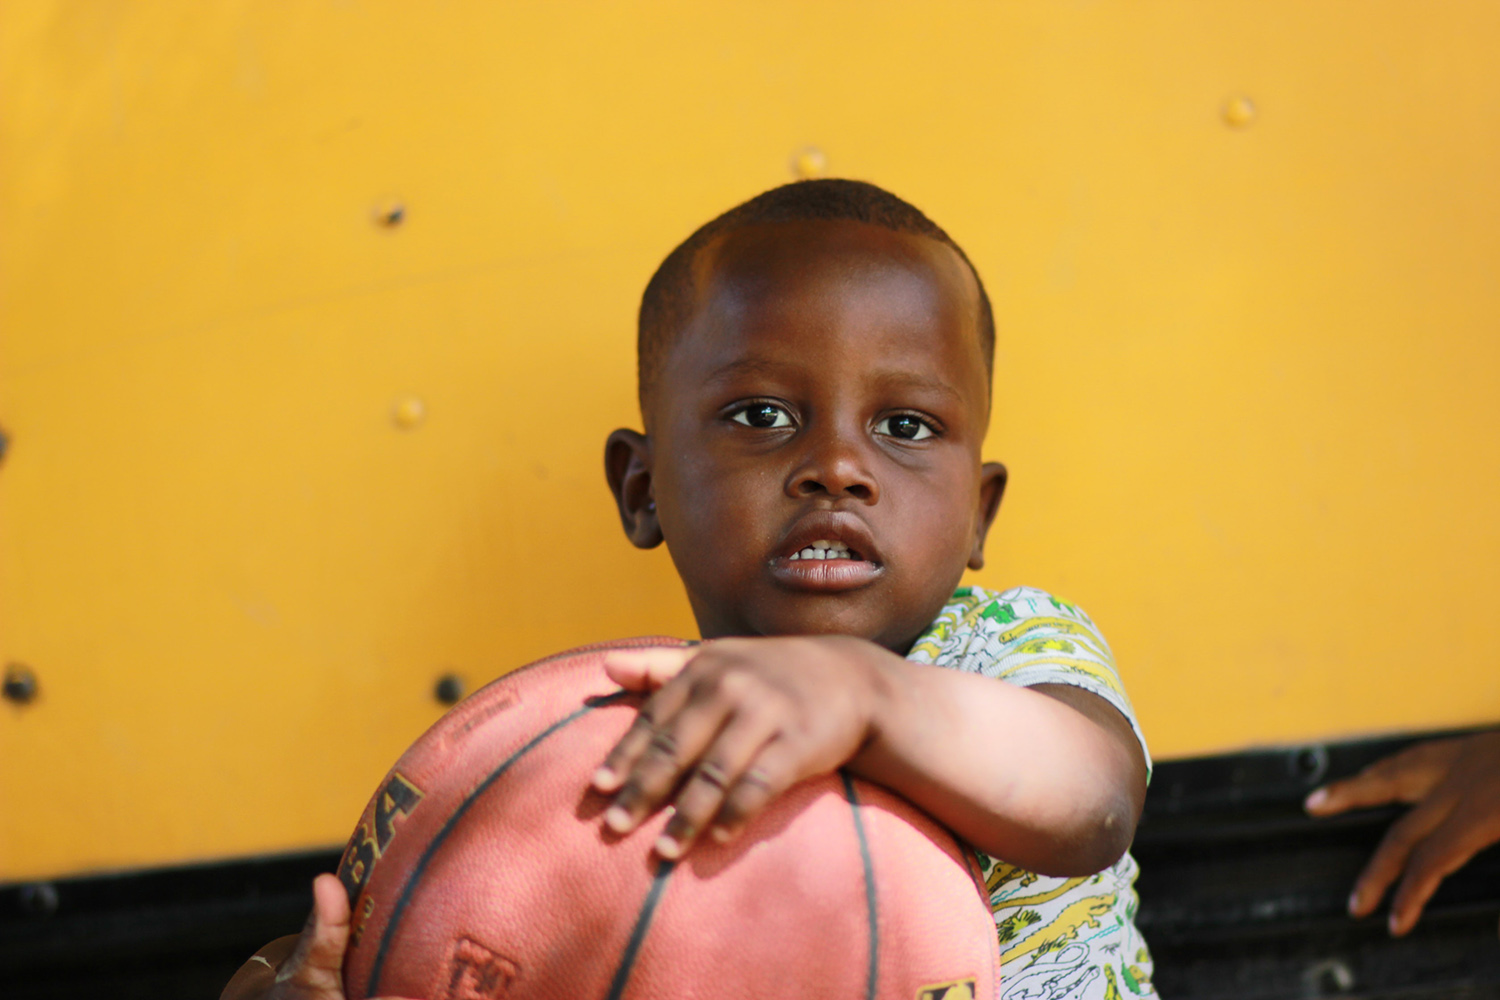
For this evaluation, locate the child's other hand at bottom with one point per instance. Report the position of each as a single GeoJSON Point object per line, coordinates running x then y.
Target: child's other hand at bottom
{"type": "Point", "coordinates": [306, 967]}
{"type": "Point", "coordinates": [734, 723]}
{"type": "Point", "coordinates": [1453, 786]}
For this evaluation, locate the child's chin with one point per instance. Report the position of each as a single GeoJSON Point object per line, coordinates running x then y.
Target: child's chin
{"type": "Point", "coordinates": [827, 613]}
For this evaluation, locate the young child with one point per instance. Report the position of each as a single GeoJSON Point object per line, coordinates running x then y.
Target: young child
{"type": "Point", "coordinates": [815, 370]}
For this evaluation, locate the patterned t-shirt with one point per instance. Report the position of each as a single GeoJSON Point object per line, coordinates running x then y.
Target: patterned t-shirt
{"type": "Point", "coordinates": [1059, 937]}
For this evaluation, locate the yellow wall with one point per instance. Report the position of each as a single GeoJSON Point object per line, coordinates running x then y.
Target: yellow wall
{"type": "Point", "coordinates": [1248, 374]}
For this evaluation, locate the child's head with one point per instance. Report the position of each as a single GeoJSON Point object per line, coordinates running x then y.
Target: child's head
{"type": "Point", "coordinates": [814, 368]}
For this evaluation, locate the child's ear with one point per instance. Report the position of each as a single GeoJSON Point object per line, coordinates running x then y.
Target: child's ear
{"type": "Point", "coordinates": [992, 478]}
{"type": "Point", "coordinates": [627, 466]}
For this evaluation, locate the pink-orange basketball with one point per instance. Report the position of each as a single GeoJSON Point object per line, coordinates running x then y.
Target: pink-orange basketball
{"type": "Point", "coordinates": [481, 870]}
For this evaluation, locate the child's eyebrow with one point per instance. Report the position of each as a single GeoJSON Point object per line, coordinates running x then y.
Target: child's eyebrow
{"type": "Point", "coordinates": [902, 379]}
{"type": "Point", "coordinates": [742, 367]}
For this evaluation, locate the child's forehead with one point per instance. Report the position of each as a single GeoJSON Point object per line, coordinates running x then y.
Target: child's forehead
{"type": "Point", "coordinates": [783, 252]}
{"type": "Point", "coordinates": [803, 284]}
{"type": "Point", "coordinates": [766, 271]}
{"type": "Point", "coordinates": [836, 265]}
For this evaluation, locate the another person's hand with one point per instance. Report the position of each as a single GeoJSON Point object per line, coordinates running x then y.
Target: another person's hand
{"type": "Point", "coordinates": [734, 723]}
{"type": "Point", "coordinates": [309, 966]}
{"type": "Point", "coordinates": [1454, 786]}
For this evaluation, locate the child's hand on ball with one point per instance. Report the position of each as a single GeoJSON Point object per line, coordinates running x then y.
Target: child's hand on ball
{"type": "Point", "coordinates": [733, 724]}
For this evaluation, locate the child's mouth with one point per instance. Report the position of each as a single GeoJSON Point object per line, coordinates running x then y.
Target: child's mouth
{"type": "Point", "coordinates": [825, 565]}
{"type": "Point", "coordinates": [825, 549]}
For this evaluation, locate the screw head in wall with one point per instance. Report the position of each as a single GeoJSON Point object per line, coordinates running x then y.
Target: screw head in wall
{"type": "Point", "coordinates": [449, 689]}
{"type": "Point", "coordinates": [809, 162]}
{"type": "Point", "coordinates": [20, 684]}
{"type": "Point", "coordinates": [409, 412]}
{"type": "Point", "coordinates": [1239, 112]}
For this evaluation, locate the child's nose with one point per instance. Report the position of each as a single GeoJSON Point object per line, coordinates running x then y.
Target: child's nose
{"type": "Point", "coordinates": [838, 465]}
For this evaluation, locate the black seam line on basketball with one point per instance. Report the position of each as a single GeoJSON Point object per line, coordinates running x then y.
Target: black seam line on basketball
{"type": "Point", "coordinates": [638, 932]}
{"type": "Point", "coordinates": [873, 976]}
{"type": "Point", "coordinates": [407, 888]}
{"type": "Point", "coordinates": [971, 865]}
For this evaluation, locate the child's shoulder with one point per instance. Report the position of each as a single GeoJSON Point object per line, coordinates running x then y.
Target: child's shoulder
{"type": "Point", "coordinates": [991, 623]}
{"type": "Point", "coordinates": [973, 604]}
{"type": "Point", "coordinates": [1024, 636]}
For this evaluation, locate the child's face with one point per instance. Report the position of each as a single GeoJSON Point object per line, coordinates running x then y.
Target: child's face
{"type": "Point", "coordinates": [829, 388]}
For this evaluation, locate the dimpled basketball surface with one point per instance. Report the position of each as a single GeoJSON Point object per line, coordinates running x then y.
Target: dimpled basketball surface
{"type": "Point", "coordinates": [481, 869]}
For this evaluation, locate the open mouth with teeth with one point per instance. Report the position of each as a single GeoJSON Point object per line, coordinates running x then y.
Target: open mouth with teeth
{"type": "Point", "coordinates": [826, 566]}
{"type": "Point", "coordinates": [825, 549]}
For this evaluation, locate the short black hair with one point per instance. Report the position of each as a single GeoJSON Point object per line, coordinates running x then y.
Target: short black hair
{"type": "Point", "coordinates": [667, 305]}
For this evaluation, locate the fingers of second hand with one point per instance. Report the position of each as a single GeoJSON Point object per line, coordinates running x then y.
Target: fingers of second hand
{"type": "Point", "coordinates": [1450, 846]}
{"type": "Point", "coordinates": [1393, 854]}
{"type": "Point", "coordinates": [1424, 873]}
{"type": "Point", "coordinates": [316, 962]}
{"type": "Point", "coordinates": [1375, 785]}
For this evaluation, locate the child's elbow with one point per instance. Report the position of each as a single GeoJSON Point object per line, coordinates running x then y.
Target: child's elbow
{"type": "Point", "coordinates": [1113, 830]}
{"type": "Point", "coordinates": [1115, 796]}
{"type": "Point", "coordinates": [1076, 842]}
{"type": "Point", "coordinates": [1099, 837]}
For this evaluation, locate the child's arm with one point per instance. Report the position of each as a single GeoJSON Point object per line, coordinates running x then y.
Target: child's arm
{"type": "Point", "coordinates": [1051, 779]}
{"type": "Point", "coordinates": [305, 967]}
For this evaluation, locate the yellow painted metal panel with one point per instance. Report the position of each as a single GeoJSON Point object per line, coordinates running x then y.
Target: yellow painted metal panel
{"type": "Point", "coordinates": [1247, 384]}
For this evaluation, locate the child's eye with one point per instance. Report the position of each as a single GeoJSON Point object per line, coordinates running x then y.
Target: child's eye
{"type": "Point", "coordinates": [904, 426]}
{"type": "Point", "coordinates": [762, 415]}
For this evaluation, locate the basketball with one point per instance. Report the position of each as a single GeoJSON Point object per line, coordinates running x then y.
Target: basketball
{"type": "Point", "coordinates": [481, 869]}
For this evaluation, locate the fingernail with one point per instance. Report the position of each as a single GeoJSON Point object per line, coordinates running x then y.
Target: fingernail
{"type": "Point", "coordinates": [721, 834]}
{"type": "Point", "coordinates": [1316, 799]}
{"type": "Point", "coordinates": [1353, 904]}
{"type": "Point", "coordinates": [605, 780]}
{"type": "Point", "coordinates": [617, 819]}
{"type": "Point", "coordinates": [668, 848]}
{"type": "Point", "coordinates": [1393, 924]}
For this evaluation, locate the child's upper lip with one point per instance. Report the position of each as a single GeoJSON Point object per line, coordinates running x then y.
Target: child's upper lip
{"type": "Point", "coordinates": [830, 525]}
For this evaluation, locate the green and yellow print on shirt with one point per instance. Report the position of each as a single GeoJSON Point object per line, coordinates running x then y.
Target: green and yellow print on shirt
{"type": "Point", "coordinates": [1072, 938]}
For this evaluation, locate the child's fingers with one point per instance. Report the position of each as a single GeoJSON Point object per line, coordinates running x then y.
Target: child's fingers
{"type": "Point", "coordinates": [653, 717]}
{"type": "Point", "coordinates": [1447, 849]}
{"type": "Point", "coordinates": [1408, 776]}
{"type": "Point", "coordinates": [719, 770]}
{"type": "Point", "coordinates": [315, 969]}
{"type": "Point", "coordinates": [646, 669]}
{"type": "Point", "coordinates": [776, 768]}
{"type": "Point", "coordinates": [1377, 785]}
{"type": "Point", "coordinates": [1395, 850]}
{"type": "Point", "coordinates": [673, 747]}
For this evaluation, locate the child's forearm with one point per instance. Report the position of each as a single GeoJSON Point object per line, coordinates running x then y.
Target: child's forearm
{"type": "Point", "coordinates": [1048, 780]}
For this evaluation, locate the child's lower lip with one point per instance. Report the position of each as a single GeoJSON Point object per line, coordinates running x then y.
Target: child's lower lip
{"type": "Point", "coordinates": [824, 574]}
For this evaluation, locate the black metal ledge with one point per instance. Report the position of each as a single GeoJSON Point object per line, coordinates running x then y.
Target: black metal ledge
{"type": "Point", "coordinates": [1241, 897]}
